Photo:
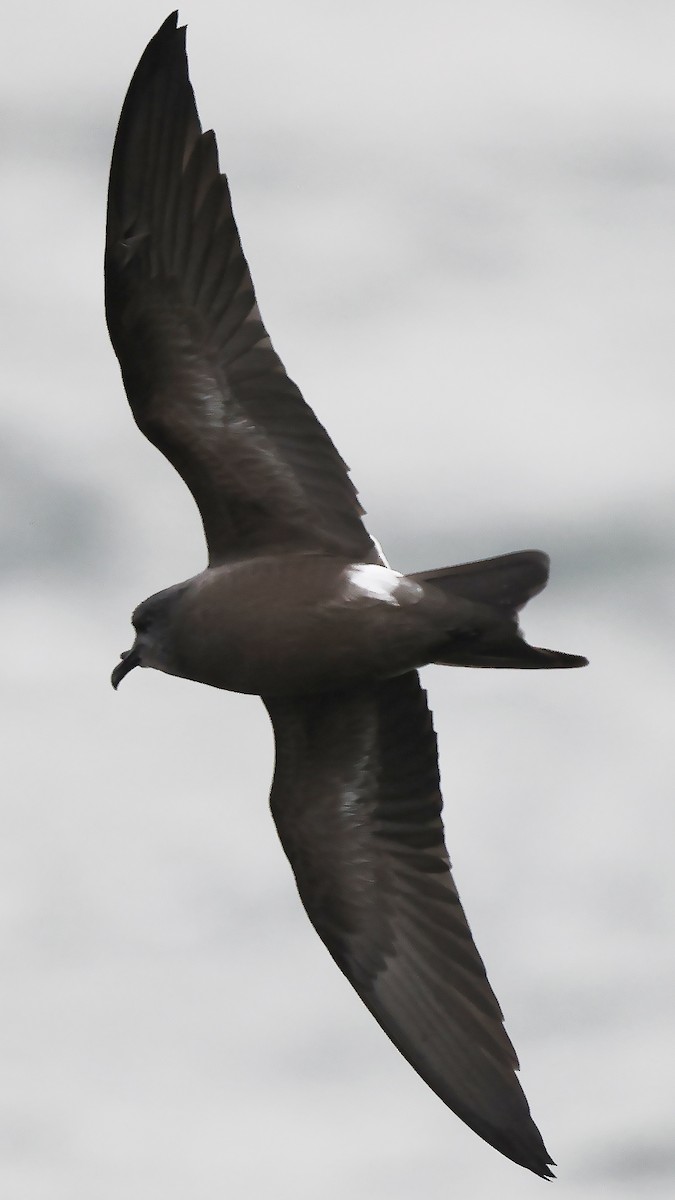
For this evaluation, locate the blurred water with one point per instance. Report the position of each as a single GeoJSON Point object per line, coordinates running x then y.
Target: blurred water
{"type": "Point", "coordinates": [459, 220]}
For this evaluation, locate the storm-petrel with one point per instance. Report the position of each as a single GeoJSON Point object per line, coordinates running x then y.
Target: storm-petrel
{"type": "Point", "coordinates": [299, 606]}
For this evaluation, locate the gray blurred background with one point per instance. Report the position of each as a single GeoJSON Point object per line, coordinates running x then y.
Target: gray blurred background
{"type": "Point", "coordinates": [459, 217]}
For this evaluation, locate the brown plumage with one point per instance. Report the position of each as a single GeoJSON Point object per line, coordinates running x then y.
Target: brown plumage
{"type": "Point", "coordinates": [298, 605]}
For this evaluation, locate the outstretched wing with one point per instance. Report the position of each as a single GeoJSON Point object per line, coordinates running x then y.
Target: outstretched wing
{"type": "Point", "coordinates": [204, 383]}
{"type": "Point", "coordinates": [357, 803]}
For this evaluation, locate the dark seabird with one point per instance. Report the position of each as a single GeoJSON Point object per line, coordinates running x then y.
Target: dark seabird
{"type": "Point", "coordinates": [299, 606]}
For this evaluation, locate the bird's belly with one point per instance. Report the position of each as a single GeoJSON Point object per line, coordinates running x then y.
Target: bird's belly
{"type": "Point", "coordinates": [303, 624]}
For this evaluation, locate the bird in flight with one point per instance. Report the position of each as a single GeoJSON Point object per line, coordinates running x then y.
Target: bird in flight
{"type": "Point", "coordinates": [299, 606]}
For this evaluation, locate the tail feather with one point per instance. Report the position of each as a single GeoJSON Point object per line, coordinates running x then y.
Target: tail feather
{"type": "Point", "coordinates": [508, 581]}
{"type": "Point", "coordinates": [514, 653]}
{"type": "Point", "coordinates": [502, 585]}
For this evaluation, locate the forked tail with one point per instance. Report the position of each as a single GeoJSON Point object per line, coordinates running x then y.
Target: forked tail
{"type": "Point", "coordinates": [504, 585]}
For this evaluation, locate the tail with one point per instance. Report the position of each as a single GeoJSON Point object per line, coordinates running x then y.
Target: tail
{"type": "Point", "coordinates": [504, 585]}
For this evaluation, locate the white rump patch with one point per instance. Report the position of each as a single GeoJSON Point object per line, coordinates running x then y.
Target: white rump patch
{"type": "Point", "coordinates": [379, 583]}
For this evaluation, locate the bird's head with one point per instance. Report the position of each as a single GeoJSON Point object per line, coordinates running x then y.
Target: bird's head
{"type": "Point", "coordinates": [152, 621]}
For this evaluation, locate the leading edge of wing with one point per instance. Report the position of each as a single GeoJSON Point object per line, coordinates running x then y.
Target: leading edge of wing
{"type": "Point", "coordinates": [356, 800]}
{"type": "Point", "coordinates": [203, 380]}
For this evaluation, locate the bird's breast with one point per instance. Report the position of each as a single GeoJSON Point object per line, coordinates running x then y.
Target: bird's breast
{"type": "Point", "coordinates": [294, 624]}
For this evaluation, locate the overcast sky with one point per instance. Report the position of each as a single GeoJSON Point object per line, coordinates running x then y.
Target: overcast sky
{"type": "Point", "coordinates": [459, 218]}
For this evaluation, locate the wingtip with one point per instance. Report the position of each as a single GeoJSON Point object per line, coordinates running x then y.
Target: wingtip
{"type": "Point", "coordinates": [170, 23]}
{"type": "Point", "coordinates": [168, 30]}
{"type": "Point", "coordinates": [542, 1165]}
{"type": "Point", "coordinates": [545, 1171]}
{"type": "Point", "coordinates": [513, 1134]}
{"type": "Point", "coordinates": [152, 57]}
{"type": "Point", "coordinates": [541, 1170]}
{"type": "Point", "coordinates": [524, 1146]}
{"type": "Point", "coordinates": [164, 58]}
{"type": "Point", "coordinates": [518, 1139]}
